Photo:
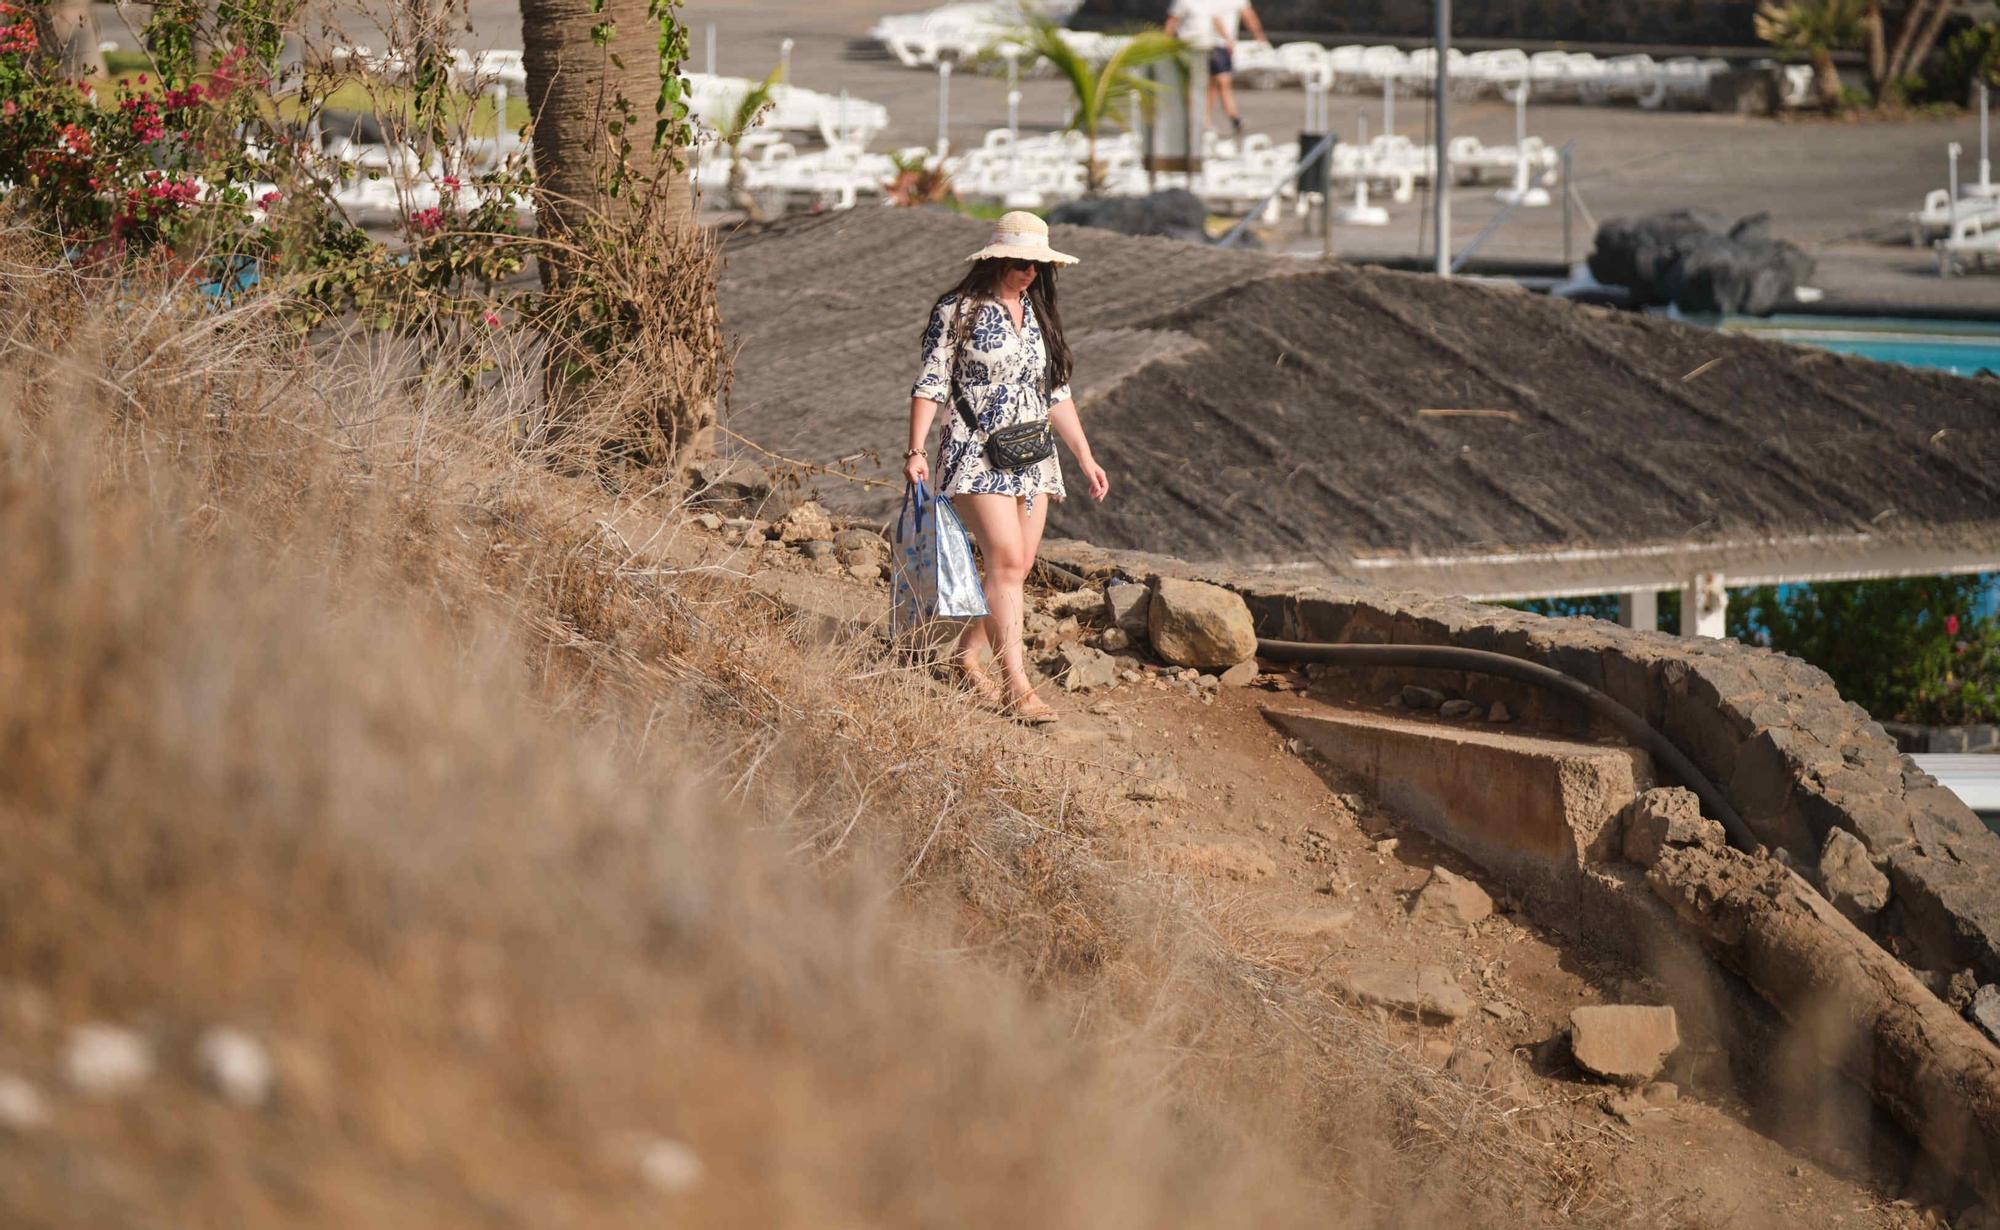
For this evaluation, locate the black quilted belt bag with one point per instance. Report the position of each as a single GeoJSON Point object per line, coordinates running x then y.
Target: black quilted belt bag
{"type": "Point", "coordinates": [1014, 447]}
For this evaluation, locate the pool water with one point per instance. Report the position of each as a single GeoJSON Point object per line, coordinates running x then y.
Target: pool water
{"type": "Point", "coordinates": [1964, 348]}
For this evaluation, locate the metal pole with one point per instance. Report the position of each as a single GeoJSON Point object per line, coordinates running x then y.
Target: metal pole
{"type": "Point", "coordinates": [1951, 152]}
{"type": "Point", "coordinates": [1569, 253]}
{"type": "Point", "coordinates": [785, 60]}
{"type": "Point", "coordinates": [1441, 180]}
{"type": "Point", "coordinates": [944, 109]}
{"type": "Point", "coordinates": [1985, 146]}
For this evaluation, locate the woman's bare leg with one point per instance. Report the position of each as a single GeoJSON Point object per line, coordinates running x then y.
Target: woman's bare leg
{"type": "Point", "coordinates": [997, 522]}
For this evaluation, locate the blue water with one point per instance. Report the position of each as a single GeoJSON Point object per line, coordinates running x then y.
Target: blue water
{"type": "Point", "coordinates": [1964, 348]}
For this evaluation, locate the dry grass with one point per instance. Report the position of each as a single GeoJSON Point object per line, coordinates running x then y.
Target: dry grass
{"type": "Point", "coordinates": [330, 710]}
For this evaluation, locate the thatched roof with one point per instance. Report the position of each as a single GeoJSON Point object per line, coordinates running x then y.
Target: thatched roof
{"type": "Point", "coordinates": [1266, 411]}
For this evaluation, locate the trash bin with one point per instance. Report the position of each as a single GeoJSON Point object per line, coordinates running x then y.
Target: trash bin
{"type": "Point", "coordinates": [1314, 177]}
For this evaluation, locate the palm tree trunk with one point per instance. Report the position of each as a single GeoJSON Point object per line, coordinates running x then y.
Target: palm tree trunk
{"type": "Point", "coordinates": [1920, 50]}
{"type": "Point", "coordinates": [68, 30]}
{"type": "Point", "coordinates": [623, 217]}
{"type": "Point", "coordinates": [574, 87]}
{"type": "Point", "coordinates": [1826, 78]}
{"type": "Point", "coordinates": [1898, 65]}
{"type": "Point", "coordinates": [1878, 51]}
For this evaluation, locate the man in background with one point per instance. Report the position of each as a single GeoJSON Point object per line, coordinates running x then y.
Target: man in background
{"type": "Point", "coordinates": [1210, 26]}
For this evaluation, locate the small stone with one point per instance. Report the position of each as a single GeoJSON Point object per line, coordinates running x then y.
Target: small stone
{"type": "Point", "coordinates": [708, 521]}
{"type": "Point", "coordinates": [1662, 1093]}
{"type": "Point", "coordinates": [1960, 990]}
{"type": "Point", "coordinates": [856, 539]}
{"type": "Point", "coordinates": [1207, 683]}
{"type": "Point", "coordinates": [818, 548]}
{"type": "Point", "coordinates": [1127, 607]}
{"type": "Point", "coordinates": [1084, 604]}
{"type": "Point", "coordinates": [1450, 900]}
{"type": "Point", "coordinates": [670, 1166]}
{"type": "Point", "coordinates": [1130, 676]}
{"type": "Point", "coordinates": [1458, 709]}
{"type": "Point", "coordinates": [1111, 640]}
{"type": "Point", "coordinates": [1081, 667]}
{"type": "Point", "coordinates": [21, 1105]}
{"type": "Point", "coordinates": [1667, 816]}
{"type": "Point", "coordinates": [729, 484]}
{"type": "Point", "coordinates": [1849, 878]}
{"type": "Point", "coordinates": [236, 1065]}
{"type": "Point", "coordinates": [1498, 1011]}
{"type": "Point", "coordinates": [1193, 623]}
{"type": "Point", "coordinates": [1985, 1011]}
{"type": "Point", "coordinates": [1312, 924]}
{"type": "Point", "coordinates": [1470, 1064]}
{"type": "Point", "coordinates": [1414, 697]}
{"type": "Point", "coordinates": [106, 1060]}
{"type": "Point", "coordinates": [1388, 845]}
{"type": "Point", "coordinates": [806, 523]}
{"type": "Point", "coordinates": [1420, 991]}
{"type": "Point", "coordinates": [865, 572]}
{"type": "Point", "coordinates": [1155, 780]}
{"type": "Point", "coordinates": [1228, 859]}
{"type": "Point", "coordinates": [1241, 675]}
{"type": "Point", "coordinates": [1624, 1043]}
{"type": "Point", "coordinates": [1499, 712]}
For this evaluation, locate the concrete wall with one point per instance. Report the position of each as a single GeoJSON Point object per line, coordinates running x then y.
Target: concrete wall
{"type": "Point", "coordinates": [1717, 23]}
{"type": "Point", "coordinates": [1770, 730]}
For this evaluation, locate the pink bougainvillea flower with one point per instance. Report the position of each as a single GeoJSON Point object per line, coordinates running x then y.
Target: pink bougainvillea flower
{"type": "Point", "coordinates": [269, 199]}
{"type": "Point", "coordinates": [492, 318]}
{"type": "Point", "coordinates": [1951, 625]}
{"type": "Point", "coordinates": [427, 220]}
{"type": "Point", "coordinates": [451, 182]}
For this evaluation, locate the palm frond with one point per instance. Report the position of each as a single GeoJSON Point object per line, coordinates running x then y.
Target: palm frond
{"type": "Point", "coordinates": [1046, 42]}
{"type": "Point", "coordinates": [750, 108]}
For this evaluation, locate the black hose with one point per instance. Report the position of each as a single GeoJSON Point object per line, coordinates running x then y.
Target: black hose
{"type": "Point", "coordinates": [1452, 658]}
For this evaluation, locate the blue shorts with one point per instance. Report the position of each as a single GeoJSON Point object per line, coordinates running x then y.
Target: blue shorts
{"type": "Point", "coordinates": [1220, 63]}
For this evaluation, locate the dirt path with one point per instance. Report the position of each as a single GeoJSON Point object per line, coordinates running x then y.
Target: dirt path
{"type": "Point", "coordinates": [1313, 879]}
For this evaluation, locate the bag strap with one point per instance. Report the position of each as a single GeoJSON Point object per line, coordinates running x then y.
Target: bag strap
{"type": "Point", "coordinates": [960, 329]}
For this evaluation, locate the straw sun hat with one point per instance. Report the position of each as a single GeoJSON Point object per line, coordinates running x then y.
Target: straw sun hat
{"type": "Point", "coordinates": [1021, 236]}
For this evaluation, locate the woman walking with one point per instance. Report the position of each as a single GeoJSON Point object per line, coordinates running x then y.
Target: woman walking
{"type": "Point", "coordinates": [994, 358]}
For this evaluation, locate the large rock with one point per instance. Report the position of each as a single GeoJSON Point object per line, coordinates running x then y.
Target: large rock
{"type": "Point", "coordinates": [1423, 991]}
{"type": "Point", "coordinates": [1696, 261]}
{"type": "Point", "coordinates": [1174, 213]}
{"type": "Point", "coordinates": [1625, 1043]}
{"type": "Point", "coordinates": [1192, 623]}
{"type": "Point", "coordinates": [1667, 816]}
{"type": "Point", "coordinates": [1851, 880]}
{"type": "Point", "coordinates": [1451, 901]}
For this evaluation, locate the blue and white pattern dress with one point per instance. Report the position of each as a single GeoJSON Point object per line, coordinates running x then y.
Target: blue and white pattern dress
{"type": "Point", "coordinates": [1000, 374]}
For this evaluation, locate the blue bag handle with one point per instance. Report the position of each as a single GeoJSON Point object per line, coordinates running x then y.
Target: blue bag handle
{"type": "Point", "coordinates": [922, 494]}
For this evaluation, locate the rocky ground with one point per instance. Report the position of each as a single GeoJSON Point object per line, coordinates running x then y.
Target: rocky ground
{"type": "Point", "coordinates": [1328, 888]}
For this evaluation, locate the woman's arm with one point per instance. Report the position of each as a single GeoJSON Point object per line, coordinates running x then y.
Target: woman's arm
{"type": "Point", "coordinates": [1069, 425]}
{"type": "Point", "coordinates": [917, 467]}
{"type": "Point", "coordinates": [934, 377]}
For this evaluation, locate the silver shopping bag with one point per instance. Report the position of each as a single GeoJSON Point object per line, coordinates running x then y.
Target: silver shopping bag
{"type": "Point", "coordinates": [932, 574]}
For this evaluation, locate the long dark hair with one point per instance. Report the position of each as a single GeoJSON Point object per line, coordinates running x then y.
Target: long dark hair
{"type": "Point", "coordinates": [984, 276]}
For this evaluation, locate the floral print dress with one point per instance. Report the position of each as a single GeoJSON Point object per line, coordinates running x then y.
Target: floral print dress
{"type": "Point", "coordinates": [1001, 376]}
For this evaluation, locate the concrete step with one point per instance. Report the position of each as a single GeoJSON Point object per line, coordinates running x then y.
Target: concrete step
{"type": "Point", "coordinates": [1542, 813]}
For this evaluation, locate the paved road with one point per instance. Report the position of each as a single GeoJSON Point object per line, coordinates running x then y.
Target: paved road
{"type": "Point", "coordinates": [1830, 185]}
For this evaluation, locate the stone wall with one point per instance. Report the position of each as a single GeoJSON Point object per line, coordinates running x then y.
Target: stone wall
{"type": "Point", "coordinates": [1770, 730]}
{"type": "Point", "coordinates": [1710, 23]}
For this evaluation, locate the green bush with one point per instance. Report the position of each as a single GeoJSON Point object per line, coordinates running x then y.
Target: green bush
{"type": "Point", "coordinates": [1907, 649]}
